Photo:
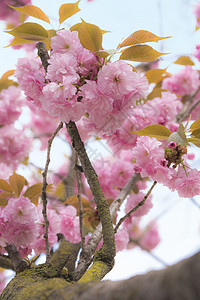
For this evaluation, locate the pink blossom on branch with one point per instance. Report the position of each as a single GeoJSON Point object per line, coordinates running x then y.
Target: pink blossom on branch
{"type": "Point", "coordinates": [185, 82]}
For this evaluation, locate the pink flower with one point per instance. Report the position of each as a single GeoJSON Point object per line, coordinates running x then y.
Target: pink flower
{"type": "Point", "coordinates": [20, 210]}
{"type": "Point", "coordinates": [11, 102]}
{"type": "Point", "coordinates": [5, 171]}
{"type": "Point", "coordinates": [197, 13]}
{"type": "Point", "coordinates": [22, 235]}
{"type": "Point", "coordinates": [147, 154]}
{"type": "Point", "coordinates": [66, 41]}
{"type": "Point", "coordinates": [118, 79]}
{"type": "Point", "coordinates": [31, 78]}
{"type": "Point", "coordinates": [197, 52]}
{"type": "Point", "coordinates": [70, 224]}
{"type": "Point", "coordinates": [187, 185]}
{"type": "Point", "coordinates": [122, 171]}
{"type": "Point", "coordinates": [87, 63]}
{"type": "Point", "coordinates": [121, 239]}
{"type": "Point", "coordinates": [62, 65]}
{"type": "Point", "coordinates": [14, 146]}
{"type": "Point", "coordinates": [151, 237]}
{"type": "Point", "coordinates": [134, 199]}
{"type": "Point", "coordinates": [185, 82]}
{"type": "Point", "coordinates": [2, 281]}
{"type": "Point", "coordinates": [59, 100]}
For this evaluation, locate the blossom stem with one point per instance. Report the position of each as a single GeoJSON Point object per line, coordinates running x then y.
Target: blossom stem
{"type": "Point", "coordinates": [136, 207]}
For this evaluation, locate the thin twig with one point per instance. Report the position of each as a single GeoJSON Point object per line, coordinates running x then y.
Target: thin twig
{"type": "Point", "coordinates": [16, 259]}
{"type": "Point", "coordinates": [80, 205]}
{"type": "Point", "coordinates": [136, 207]}
{"type": "Point", "coordinates": [185, 112]}
{"type": "Point", "coordinates": [149, 252]}
{"type": "Point", "coordinates": [44, 195]}
{"type": "Point", "coordinates": [195, 203]}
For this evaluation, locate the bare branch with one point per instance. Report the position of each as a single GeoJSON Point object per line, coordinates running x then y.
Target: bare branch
{"type": "Point", "coordinates": [80, 205]}
{"type": "Point", "coordinates": [185, 112]}
{"type": "Point", "coordinates": [5, 262]}
{"type": "Point", "coordinates": [16, 259]}
{"type": "Point", "coordinates": [43, 54]}
{"type": "Point", "coordinates": [107, 253]}
{"type": "Point", "coordinates": [85, 258]}
{"type": "Point", "coordinates": [44, 195]}
{"type": "Point", "coordinates": [136, 207]}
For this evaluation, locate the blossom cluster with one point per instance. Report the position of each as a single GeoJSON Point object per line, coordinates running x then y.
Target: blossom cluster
{"type": "Point", "coordinates": [21, 223]}
{"type": "Point", "coordinates": [9, 15]}
{"type": "Point", "coordinates": [77, 83]}
{"type": "Point", "coordinates": [14, 144]}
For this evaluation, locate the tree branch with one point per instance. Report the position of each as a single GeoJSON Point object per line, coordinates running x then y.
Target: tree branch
{"type": "Point", "coordinates": [185, 112]}
{"type": "Point", "coordinates": [107, 252]}
{"type": "Point", "coordinates": [18, 263]}
{"type": "Point", "coordinates": [6, 263]}
{"type": "Point", "coordinates": [44, 195]}
{"type": "Point", "coordinates": [136, 207]}
{"type": "Point", "coordinates": [86, 257]}
{"type": "Point", "coordinates": [177, 282]}
{"type": "Point", "coordinates": [43, 54]}
{"type": "Point", "coordinates": [80, 205]}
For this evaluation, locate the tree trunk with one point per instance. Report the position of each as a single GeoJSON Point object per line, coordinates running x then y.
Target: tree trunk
{"type": "Point", "coordinates": [178, 282]}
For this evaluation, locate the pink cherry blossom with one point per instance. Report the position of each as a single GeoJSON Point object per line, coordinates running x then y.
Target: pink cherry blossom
{"type": "Point", "coordinates": [118, 79]}
{"type": "Point", "coordinates": [60, 101]}
{"type": "Point", "coordinates": [2, 281]}
{"type": "Point", "coordinates": [147, 154]}
{"type": "Point", "coordinates": [11, 102]}
{"type": "Point", "coordinates": [66, 41]}
{"type": "Point", "coordinates": [20, 210]}
{"type": "Point", "coordinates": [187, 185]}
{"type": "Point", "coordinates": [151, 238]}
{"type": "Point", "coordinates": [134, 199]}
{"type": "Point", "coordinates": [185, 82]}
{"type": "Point", "coordinates": [61, 65]}
{"type": "Point", "coordinates": [14, 146]}
{"type": "Point", "coordinates": [70, 224]}
{"type": "Point", "coordinates": [121, 239]}
{"type": "Point", "coordinates": [197, 52]}
{"type": "Point", "coordinates": [31, 78]}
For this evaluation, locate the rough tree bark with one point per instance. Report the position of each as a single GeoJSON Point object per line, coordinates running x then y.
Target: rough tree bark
{"type": "Point", "coordinates": [177, 282]}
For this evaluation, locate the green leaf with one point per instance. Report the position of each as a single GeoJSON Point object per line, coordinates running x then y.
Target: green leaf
{"type": "Point", "coordinates": [156, 92]}
{"type": "Point", "coordinates": [195, 125]}
{"type": "Point", "coordinates": [32, 11]}
{"type": "Point", "coordinates": [155, 75]}
{"type": "Point", "coordinates": [33, 192]}
{"type": "Point", "coordinates": [160, 132]}
{"type": "Point", "coordinates": [5, 83]}
{"type": "Point", "coordinates": [178, 139]}
{"type": "Point", "coordinates": [17, 182]}
{"type": "Point", "coordinates": [4, 185]}
{"type": "Point", "coordinates": [3, 202]}
{"type": "Point", "coordinates": [29, 31]}
{"type": "Point", "coordinates": [68, 10]}
{"type": "Point", "coordinates": [139, 37]}
{"type": "Point", "coordinates": [141, 53]}
{"type": "Point", "coordinates": [7, 74]}
{"type": "Point", "coordinates": [90, 35]}
{"type": "Point", "coordinates": [184, 60]}
{"type": "Point", "coordinates": [195, 141]}
{"type": "Point", "coordinates": [196, 133]}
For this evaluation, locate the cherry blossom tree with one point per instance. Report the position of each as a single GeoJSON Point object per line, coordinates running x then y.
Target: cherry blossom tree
{"type": "Point", "coordinates": [74, 90]}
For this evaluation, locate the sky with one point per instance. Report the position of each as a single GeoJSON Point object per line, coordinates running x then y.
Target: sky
{"type": "Point", "coordinates": [179, 223]}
